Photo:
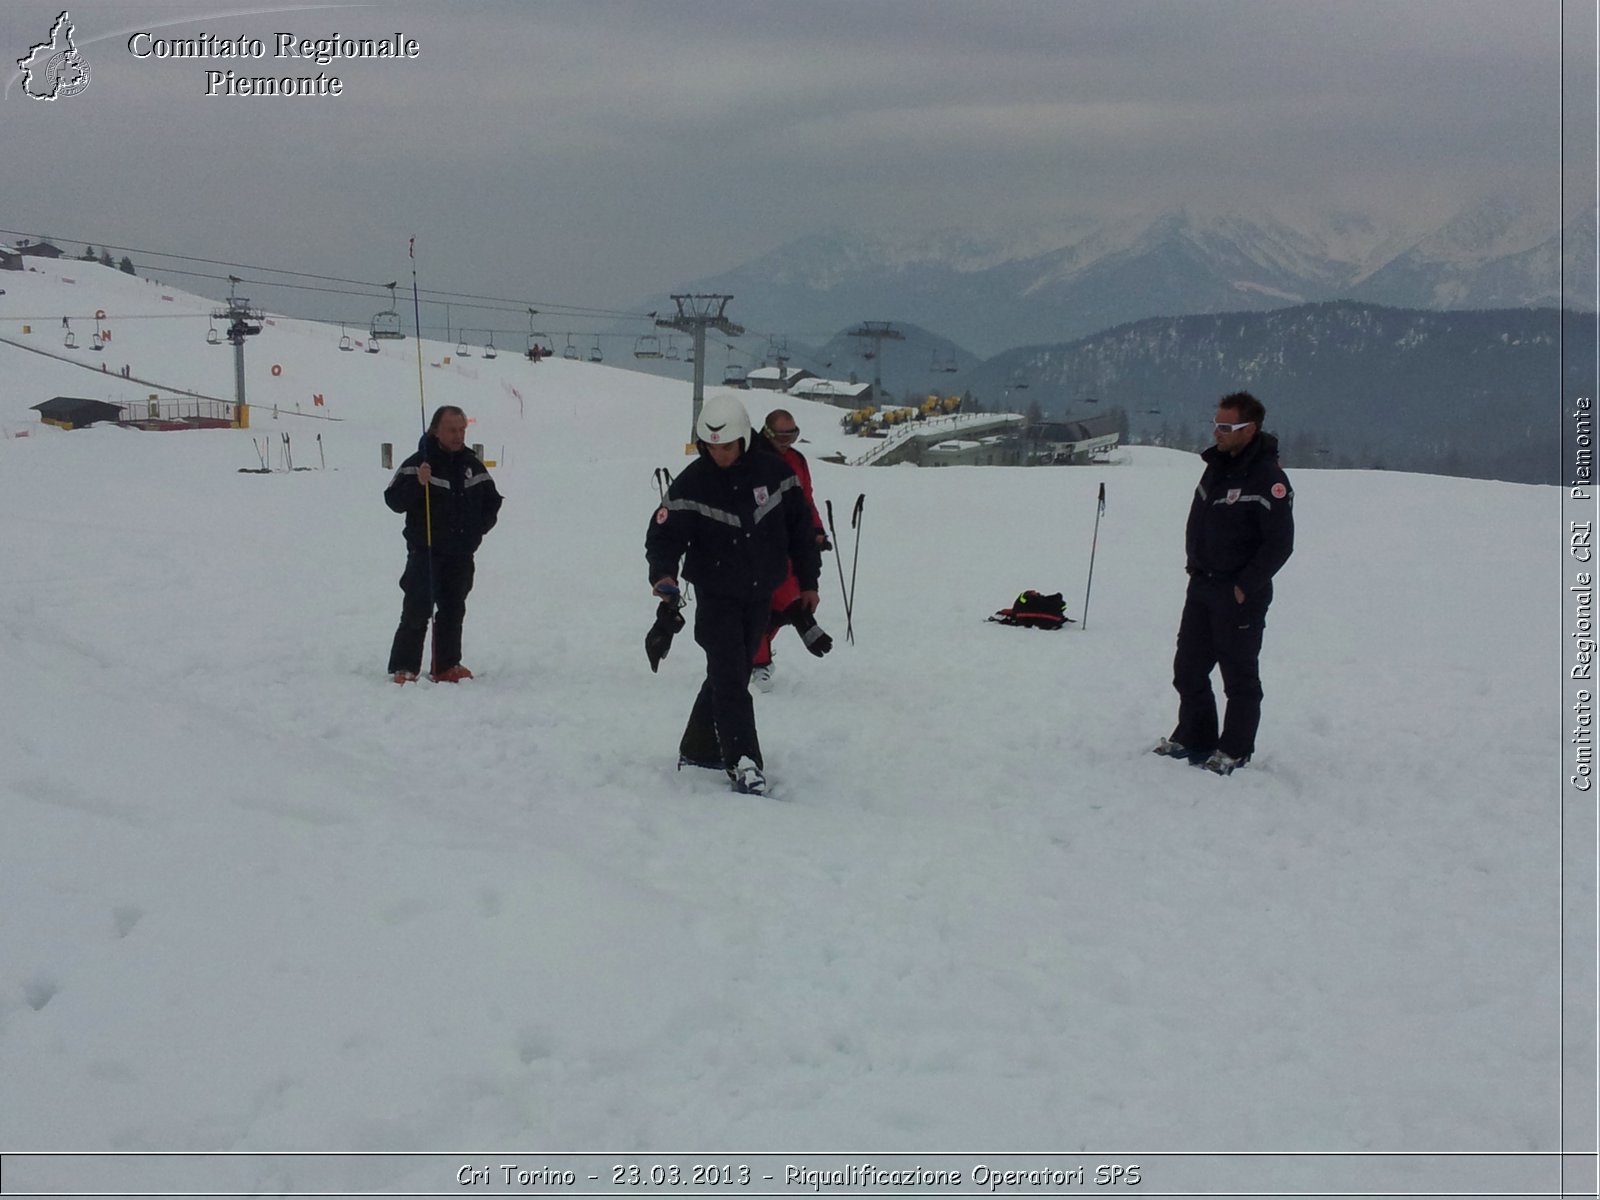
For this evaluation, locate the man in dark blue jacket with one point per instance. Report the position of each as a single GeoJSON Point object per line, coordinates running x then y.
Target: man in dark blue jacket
{"type": "Point", "coordinates": [737, 520]}
{"type": "Point", "coordinates": [450, 502]}
{"type": "Point", "coordinates": [1240, 532]}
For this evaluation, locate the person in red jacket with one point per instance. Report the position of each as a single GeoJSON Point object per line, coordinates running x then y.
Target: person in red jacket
{"type": "Point", "coordinates": [779, 433]}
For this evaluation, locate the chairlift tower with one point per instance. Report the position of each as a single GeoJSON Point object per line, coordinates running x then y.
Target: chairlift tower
{"type": "Point", "coordinates": [778, 350]}
{"type": "Point", "coordinates": [243, 322]}
{"type": "Point", "coordinates": [877, 332]}
{"type": "Point", "coordinates": [698, 312]}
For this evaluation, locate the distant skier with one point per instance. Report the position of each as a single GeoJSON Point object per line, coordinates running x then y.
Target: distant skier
{"type": "Point", "coordinates": [779, 432]}
{"type": "Point", "coordinates": [448, 482]}
{"type": "Point", "coordinates": [1240, 532]}
{"type": "Point", "coordinates": [737, 520]}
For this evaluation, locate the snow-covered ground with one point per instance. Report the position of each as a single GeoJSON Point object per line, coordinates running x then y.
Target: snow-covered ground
{"type": "Point", "coordinates": [256, 898]}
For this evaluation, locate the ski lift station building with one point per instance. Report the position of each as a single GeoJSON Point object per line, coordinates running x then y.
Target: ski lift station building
{"type": "Point", "coordinates": [154, 413]}
{"type": "Point", "coordinates": [1077, 442]}
{"type": "Point", "coordinates": [832, 391]}
{"type": "Point", "coordinates": [76, 412]}
{"type": "Point", "coordinates": [768, 379]}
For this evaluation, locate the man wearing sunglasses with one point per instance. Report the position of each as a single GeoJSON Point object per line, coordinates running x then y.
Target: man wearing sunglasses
{"type": "Point", "coordinates": [780, 432]}
{"type": "Point", "coordinates": [1240, 532]}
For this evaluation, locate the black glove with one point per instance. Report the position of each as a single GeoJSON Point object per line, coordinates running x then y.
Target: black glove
{"type": "Point", "coordinates": [806, 626]}
{"type": "Point", "coordinates": [659, 640]}
{"type": "Point", "coordinates": [824, 544]}
{"type": "Point", "coordinates": [816, 641]}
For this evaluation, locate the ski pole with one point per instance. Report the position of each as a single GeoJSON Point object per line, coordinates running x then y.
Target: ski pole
{"type": "Point", "coordinates": [1093, 545]}
{"type": "Point", "coordinates": [427, 492]}
{"type": "Point", "coordinates": [855, 558]}
{"type": "Point", "coordinates": [663, 478]}
{"type": "Point", "coordinates": [833, 537]}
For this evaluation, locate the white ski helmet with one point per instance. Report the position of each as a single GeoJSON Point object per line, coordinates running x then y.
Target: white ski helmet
{"type": "Point", "coordinates": [723, 420]}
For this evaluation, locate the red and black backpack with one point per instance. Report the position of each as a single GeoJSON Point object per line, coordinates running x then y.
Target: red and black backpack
{"type": "Point", "coordinates": [1035, 610]}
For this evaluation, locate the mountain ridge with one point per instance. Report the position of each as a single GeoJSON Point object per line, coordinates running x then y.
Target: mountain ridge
{"type": "Point", "coordinates": [988, 293]}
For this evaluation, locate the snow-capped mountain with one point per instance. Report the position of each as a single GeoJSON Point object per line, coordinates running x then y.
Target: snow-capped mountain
{"type": "Point", "coordinates": [1492, 254]}
{"type": "Point", "coordinates": [990, 292]}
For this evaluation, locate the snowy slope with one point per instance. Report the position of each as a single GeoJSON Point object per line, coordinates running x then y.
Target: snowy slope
{"type": "Point", "coordinates": [256, 898]}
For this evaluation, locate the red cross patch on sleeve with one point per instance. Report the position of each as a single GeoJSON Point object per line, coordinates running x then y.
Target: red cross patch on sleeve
{"type": "Point", "coordinates": [1279, 491]}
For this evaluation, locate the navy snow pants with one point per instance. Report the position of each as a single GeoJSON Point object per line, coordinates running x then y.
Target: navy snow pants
{"type": "Point", "coordinates": [722, 724]}
{"type": "Point", "coordinates": [1217, 631]}
{"type": "Point", "coordinates": [451, 581]}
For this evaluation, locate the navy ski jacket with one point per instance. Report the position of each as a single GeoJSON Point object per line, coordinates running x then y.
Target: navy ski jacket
{"type": "Point", "coordinates": [464, 501]}
{"type": "Point", "coordinates": [1241, 523]}
{"type": "Point", "coordinates": [736, 528]}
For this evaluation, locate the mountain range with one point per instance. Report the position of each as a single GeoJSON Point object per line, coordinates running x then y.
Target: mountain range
{"type": "Point", "coordinates": [987, 294]}
{"type": "Point", "coordinates": [1347, 384]}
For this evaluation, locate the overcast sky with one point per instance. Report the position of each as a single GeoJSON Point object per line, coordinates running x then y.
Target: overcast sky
{"type": "Point", "coordinates": [593, 152]}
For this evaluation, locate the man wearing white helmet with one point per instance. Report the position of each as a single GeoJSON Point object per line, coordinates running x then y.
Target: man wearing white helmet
{"type": "Point", "coordinates": [736, 520]}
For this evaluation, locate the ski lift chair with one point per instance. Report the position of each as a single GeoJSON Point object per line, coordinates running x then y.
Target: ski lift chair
{"type": "Point", "coordinates": [213, 336]}
{"type": "Point", "coordinates": [461, 349]}
{"type": "Point", "coordinates": [70, 341]}
{"type": "Point", "coordinates": [570, 351]}
{"type": "Point", "coordinates": [344, 340]}
{"type": "Point", "coordinates": [594, 353]}
{"type": "Point", "coordinates": [488, 349]}
{"type": "Point", "coordinates": [648, 346]}
{"type": "Point", "coordinates": [386, 324]}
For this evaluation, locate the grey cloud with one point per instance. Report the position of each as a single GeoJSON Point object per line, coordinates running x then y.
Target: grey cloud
{"type": "Point", "coordinates": [599, 150]}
